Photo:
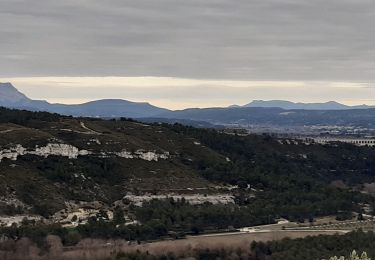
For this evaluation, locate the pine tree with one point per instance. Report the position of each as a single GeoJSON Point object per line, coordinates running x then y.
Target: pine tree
{"type": "Point", "coordinates": [353, 256]}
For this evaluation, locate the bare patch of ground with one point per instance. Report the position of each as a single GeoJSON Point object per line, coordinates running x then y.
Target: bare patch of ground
{"type": "Point", "coordinates": [339, 184]}
{"type": "Point", "coordinates": [108, 249]}
{"type": "Point", "coordinates": [369, 188]}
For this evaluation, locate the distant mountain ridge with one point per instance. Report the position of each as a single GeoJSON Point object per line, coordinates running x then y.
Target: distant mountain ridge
{"type": "Point", "coordinates": [330, 105]}
{"type": "Point", "coordinates": [109, 108]}
{"type": "Point", "coordinates": [264, 113]}
{"type": "Point", "coordinates": [263, 116]}
{"type": "Point", "coordinates": [10, 97]}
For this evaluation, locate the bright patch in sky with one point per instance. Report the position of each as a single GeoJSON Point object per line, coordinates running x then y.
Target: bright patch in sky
{"type": "Point", "coordinates": [179, 93]}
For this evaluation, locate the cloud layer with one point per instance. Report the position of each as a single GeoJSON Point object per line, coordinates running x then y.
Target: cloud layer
{"type": "Point", "coordinates": [301, 50]}
{"type": "Point", "coordinates": [257, 40]}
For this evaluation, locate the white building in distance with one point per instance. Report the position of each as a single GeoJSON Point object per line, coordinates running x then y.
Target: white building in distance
{"type": "Point", "coordinates": [355, 141]}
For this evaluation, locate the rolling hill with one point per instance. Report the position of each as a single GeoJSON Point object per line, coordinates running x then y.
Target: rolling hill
{"type": "Point", "coordinates": [48, 160]}
{"type": "Point", "coordinates": [331, 105]}
{"type": "Point", "coordinates": [274, 113]}
{"type": "Point", "coordinates": [10, 97]}
{"type": "Point", "coordinates": [270, 114]}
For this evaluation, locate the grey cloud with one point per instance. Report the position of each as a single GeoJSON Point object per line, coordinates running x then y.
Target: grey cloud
{"type": "Point", "coordinates": [258, 39]}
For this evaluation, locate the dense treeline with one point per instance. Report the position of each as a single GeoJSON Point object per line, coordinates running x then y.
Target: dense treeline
{"type": "Point", "coordinates": [181, 216]}
{"type": "Point", "coordinates": [23, 117]}
{"type": "Point", "coordinates": [158, 218]}
{"type": "Point", "coordinates": [266, 161]}
{"type": "Point", "coordinates": [97, 227]}
{"type": "Point", "coordinates": [295, 178]}
{"type": "Point", "coordinates": [178, 215]}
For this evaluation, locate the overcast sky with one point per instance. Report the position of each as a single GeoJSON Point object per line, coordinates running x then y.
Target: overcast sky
{"type": "Point", "coordinates": [200, 53]}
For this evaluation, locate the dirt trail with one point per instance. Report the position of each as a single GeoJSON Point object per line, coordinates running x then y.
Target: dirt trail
{"type": "Point", "coordinates": [91, 131]}
{"type": "Point", "coordinates": [88, 131]}
{"type": "Point", "coordinates": [7, 131]}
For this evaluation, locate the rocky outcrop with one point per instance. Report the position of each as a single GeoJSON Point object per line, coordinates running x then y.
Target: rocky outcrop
{"type": "Point", "coordinates": [73, 152]}
{"type": "Point", "coordinates": [144, 155]}
{"type": "Point", "coordinates": [193, 199]}
{"type": "Point", "coordinates": [64, 150]}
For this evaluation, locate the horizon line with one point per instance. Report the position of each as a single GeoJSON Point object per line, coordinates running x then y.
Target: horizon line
{"type": "Point", "coordinates": [183, 93]}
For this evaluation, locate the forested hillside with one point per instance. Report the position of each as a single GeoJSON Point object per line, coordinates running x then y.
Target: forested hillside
{"type": "Point", "coordinates": [51, 162]}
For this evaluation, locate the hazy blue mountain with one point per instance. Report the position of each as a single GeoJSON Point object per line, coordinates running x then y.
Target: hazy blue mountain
{"type": "Point", "coordinates": [277, 116]}
{"type": "Point", "coordinates": [194, 123]}
{"type": "Point", "coordinates": [331, 105]}
{"type": "Point", "coordinates": [12, 98]}
{"type": "Point", "coordinates": [109, 108]}
{"type": "Point", "coordinates": [258, 112]}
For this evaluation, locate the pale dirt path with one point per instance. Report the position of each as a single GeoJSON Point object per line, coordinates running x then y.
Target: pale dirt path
{"type": "Point", "coordinates": [7, 131]}
{"type": "Point", "coordinates": [89, 129]}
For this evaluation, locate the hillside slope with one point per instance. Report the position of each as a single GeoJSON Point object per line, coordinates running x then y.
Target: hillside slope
{"type": "Point", "coordinates": [48, 162]}
{"type": "Point", "coordinates": [47, 159]}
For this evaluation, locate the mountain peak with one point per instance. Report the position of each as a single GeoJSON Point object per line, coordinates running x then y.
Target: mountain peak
{"type": "Point", "coordinates": [12, 98]}
{"type": "Point", "coordinates": [332, 102]}
{"type": "Point", "coordinates": [9, 95]}
{"type": "Point", "coordinates": [330, 105]}
{"type": "Point", "coordinates": [6, 85]}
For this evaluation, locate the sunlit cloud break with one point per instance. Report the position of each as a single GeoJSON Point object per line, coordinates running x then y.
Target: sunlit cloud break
{"type": "Point", "coordinates": [179, 93]}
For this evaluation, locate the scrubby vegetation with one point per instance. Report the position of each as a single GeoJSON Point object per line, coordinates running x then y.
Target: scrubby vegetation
{"type": "Point", "coordinates": [353, 256]}
{"type": "Point", "coordinates": [290, 180]}
{"type": "Point", "coordinates": [274, 178]}
{"type": "Point", "coordinates": [309, 248]}
{"type": "Point", "coordinates": [320, 247]}
{"type": "Point", "coordinates": [181, 216]}
{"type": "Point", "coordinates": [158, 218]}
{"type": "Point", "coordinates": [294, 178]}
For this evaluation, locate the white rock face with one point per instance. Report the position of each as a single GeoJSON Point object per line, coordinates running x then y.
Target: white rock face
{"type": "Point", "coordinates": [151, 156]}
{"type": "Point", "coordinates": [147, 156]}
{"type": "Point", "coordinates": [64, 150]}
{"type": "Point", "coordinates": [12, 153]}
{"type": "Point", "coordinates": [8, 221]}
{"type": "Point", "coordinates": [125, 154]}
{"type": "Point", "coordinates": [73, 152]}
{"type": "Point", "coordinates": [194, 199]}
